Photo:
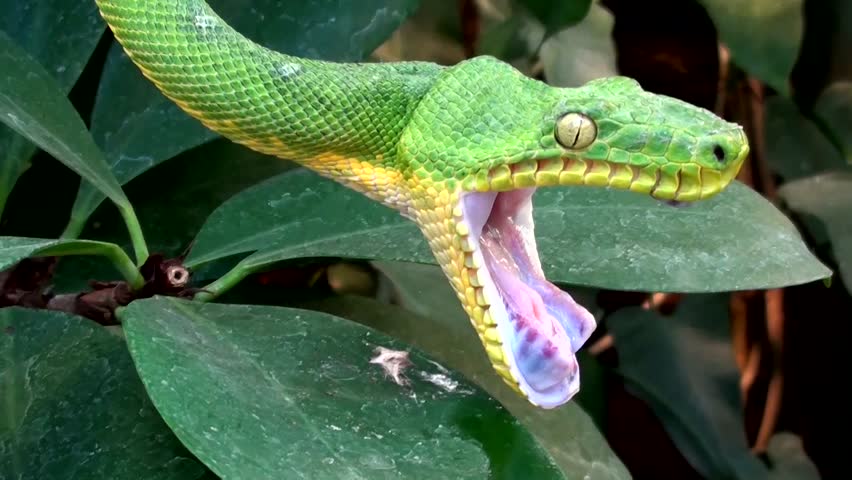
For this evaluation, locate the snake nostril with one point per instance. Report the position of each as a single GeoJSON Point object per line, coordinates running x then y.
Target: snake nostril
{"type": "Point", "coordinates": [719, 153]}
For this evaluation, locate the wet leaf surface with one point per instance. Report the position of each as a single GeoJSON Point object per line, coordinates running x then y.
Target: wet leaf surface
{"type": "Point", "coordinates": [255, 391]}
{"type": "Point", "coordinates": [74, 408]}
{"type": "Point", "coordinates": [586, 236]}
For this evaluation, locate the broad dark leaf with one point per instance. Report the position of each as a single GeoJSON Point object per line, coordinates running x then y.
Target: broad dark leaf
{"type": "Point", "coordinates": [795, 145]}
{"type": "Point", "coordinates": [261, 392]}
{"type": "Point", "coordinates": [683, 367]}
{"type": "Point", "coordinates": [555, 15]}
{"type": "Point", "coordinates": [828, 197]}
{"type": "Point", "coordinates": [764, 36]}
{"type": "Point", "coordinates": [74, 408]}
{"type": "Point", "coordinates": [433, 33]}
{"type": "Point", "coordinates": [138, 127]}
{"type": "Point", "coordinates": [789, 459]}
{"type": "Point", "coordinates": [33, 104]}
{"type": "Point", "coordinates": [73, 30]}
{"type": "Point", "coordinates": [586, 236]}
{"type": "Point", "coordinates": [834, 107]}
{"type": "Point", "coordinates": [15, 249]}
{"type": "Point", "coordinates": [433, 321]}
{"type": "Point", "coordinates": [584, 52]}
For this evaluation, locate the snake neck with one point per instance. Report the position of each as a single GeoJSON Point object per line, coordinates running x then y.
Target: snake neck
{"type": "Point", "coordinates": [343, 120]}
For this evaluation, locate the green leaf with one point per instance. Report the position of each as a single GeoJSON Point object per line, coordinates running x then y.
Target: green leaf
{"type": "Point", "coordinates": [764, 36]}
{"type": "Point", "coordinates": [434, 322]}
{"type": "Point", "coordinates": [581, 53]}
{"type": "Point", "coordinates": [834, 107]}
{"type": "Point", "coordinates": [74, 408]}
{"type": "Point", "coordinates": [58, 34]}
{"type": "Point", "coordinates": [795, 145]}
{"type": "Point", "coordinates": [183, 200]}
{"type": "Point", "coordinates": [256, 392]}
{"type": "Point", "coordinates": [586, 236]}
{"type": "Point", "coordinates": [34, 105]}
{"type": "Point", "coordinates": [15, 249]}
{"type": "Point", "coordinates": [73, 29]}
{"type": "Point", "coordinates": [130, 112]}
{"type": "Point", "coordinates": [683, 367]}
{"type": "Point", "coordinates": [789, 459]}
{"type": "Point", "coordinates": [433, 33]}
{"type": "Point", "coordinates": [555, 15]}
{"type": "Point", "coordinates": [828, 197]}
{"type": "Point", "coordinates": [512, 38]}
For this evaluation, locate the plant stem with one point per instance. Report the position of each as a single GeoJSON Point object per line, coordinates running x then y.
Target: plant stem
{"type": "Point", "coordinates": [77, 224]}
{"type": "Point", "coordinates": [74, 228]}
{"type": "Point", "coordinates": [223, 284]}
{"type": "Point", "coordinates": [125, 265]}
{"type": "Point", "coordinates": [135, 231]}
{"type": "Point", "coordinates": [111, 251]}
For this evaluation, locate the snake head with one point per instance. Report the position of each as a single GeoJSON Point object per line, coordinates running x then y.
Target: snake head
{"type": "Point", "coordinates": [612, 133]}
{"type": "Point", "coordinates": [476, 148]}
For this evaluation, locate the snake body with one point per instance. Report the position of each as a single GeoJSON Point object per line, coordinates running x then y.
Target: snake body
{"type": "Point", "coordinates": [459, 150]}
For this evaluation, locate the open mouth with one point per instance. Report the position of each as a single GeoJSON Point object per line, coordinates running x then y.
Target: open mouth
{"type": "Point", "coordinates": [532, 329]}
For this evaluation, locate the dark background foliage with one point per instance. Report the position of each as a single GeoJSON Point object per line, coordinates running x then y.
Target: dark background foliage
{"type": "Point", "coordinates": [719, 354]}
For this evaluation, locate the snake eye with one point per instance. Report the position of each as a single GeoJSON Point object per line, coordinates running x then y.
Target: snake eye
{"type": "Point", "coordinates": [575, 131]}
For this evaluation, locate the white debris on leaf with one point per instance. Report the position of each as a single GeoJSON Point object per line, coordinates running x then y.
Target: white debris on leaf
{"type": "Point", "coordinates": [394, 363]}
{"type": "Point", "coordinates": [439, 366]}
{"type": "Point", "coordinates": [441, 380]}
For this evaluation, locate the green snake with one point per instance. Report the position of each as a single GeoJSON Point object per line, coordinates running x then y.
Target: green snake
{"type": "Point", "coordinates": [459, 150]}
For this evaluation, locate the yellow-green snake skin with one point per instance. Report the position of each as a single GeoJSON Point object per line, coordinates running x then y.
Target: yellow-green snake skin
{"type": "Point", "coordinates": [458, 150]}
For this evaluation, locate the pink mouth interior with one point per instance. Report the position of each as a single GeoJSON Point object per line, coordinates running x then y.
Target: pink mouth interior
{"type": "Point", "coordinates": [542, 326]}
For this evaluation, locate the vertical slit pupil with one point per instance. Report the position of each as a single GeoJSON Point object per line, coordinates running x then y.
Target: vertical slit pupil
{"type": "Point", "coordinates": [577, 136]}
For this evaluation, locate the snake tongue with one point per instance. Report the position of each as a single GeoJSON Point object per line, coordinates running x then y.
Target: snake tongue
{"type": "Point", "coordinates": [541, 326]}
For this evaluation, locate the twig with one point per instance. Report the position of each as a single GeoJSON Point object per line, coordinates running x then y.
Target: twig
{"type": "Point", "coordinates": [773, 299]}
{"type": "Point", "coordinates": [664, 303]}
{"type": "Point", "coordinates": [469, 15]}
{"type": "Point", "coordinates": [28, 284]}
{"type": "Point", "coordinates": [601, 345]}
{"type": "Point", "coordinates": [775, 390]}
{"type": "Point", "coordinates": [724, 71]}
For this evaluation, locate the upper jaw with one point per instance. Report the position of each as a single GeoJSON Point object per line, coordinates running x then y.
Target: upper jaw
{"type": "Point", "coordinates": [684, 182]}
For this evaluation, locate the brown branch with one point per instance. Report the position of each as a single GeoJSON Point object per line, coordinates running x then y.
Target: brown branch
{"type": "Point", "coordinates": [469, 15]}
{"type": "Point", "coordinates": [601, 345]}
{"type": "Point", "coordinates": [28, 283]}
{"type": "Point", "coordinates": [724, 72]}
{"type": "Point", "coordinates": [774, 299]}
{"type": "Point", "coordinates": [664, 303]}
{"type": "Point", "coordinates": [774, 394]}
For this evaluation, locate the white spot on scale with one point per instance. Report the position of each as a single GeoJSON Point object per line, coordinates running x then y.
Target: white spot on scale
{"type": "Point", "coordinates": [204, 21]}
{"type": "Point", "coordinates": [289, 69]}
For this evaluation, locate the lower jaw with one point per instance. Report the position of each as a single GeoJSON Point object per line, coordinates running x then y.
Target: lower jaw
{"type": "Point", "coordinates": [531, 330]}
